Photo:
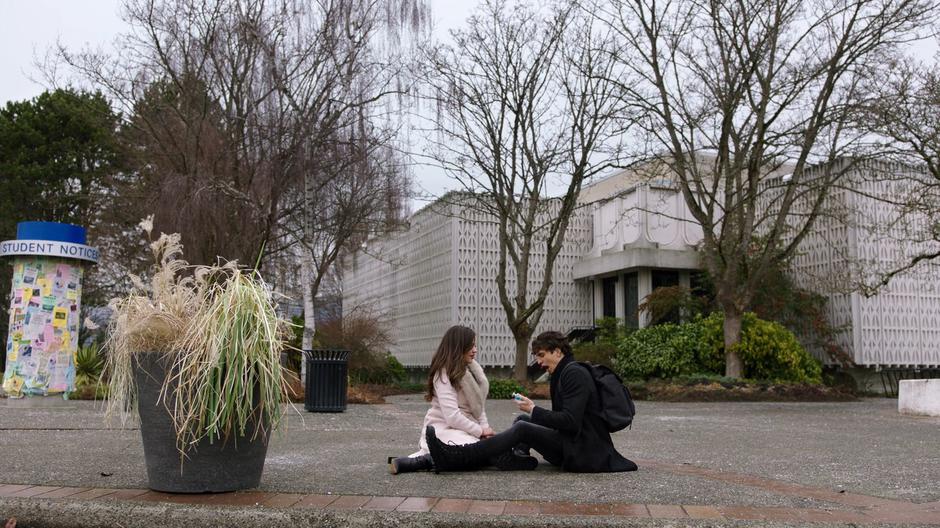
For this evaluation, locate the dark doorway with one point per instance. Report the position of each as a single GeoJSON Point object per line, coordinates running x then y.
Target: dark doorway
{"type": "Point", "coordinates": [609, 286]}
{"type": "Point", "coordinates": [667, 279]}
{"type": "Point", "coordinates": [631, 293]}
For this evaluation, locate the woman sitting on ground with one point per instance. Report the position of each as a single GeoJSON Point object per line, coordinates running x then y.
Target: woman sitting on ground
{"type": "Point", "coordinates": [457, 389]}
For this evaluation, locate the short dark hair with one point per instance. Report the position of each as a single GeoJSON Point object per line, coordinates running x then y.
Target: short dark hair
{"type": "Point", "coordinates": [550, 341]}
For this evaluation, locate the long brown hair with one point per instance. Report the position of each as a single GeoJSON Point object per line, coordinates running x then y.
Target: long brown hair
{"type": "Point", "coordinates": [456, 342]}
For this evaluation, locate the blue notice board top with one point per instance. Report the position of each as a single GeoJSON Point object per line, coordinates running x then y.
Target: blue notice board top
{"type": "Point", "coordinates": [53, 231]}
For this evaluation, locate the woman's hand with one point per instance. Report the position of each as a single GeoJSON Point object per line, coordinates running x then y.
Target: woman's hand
{"type": "Point", "coordinates": [487, 432]}
{"type": "Point", "coordinates": [525, 404]}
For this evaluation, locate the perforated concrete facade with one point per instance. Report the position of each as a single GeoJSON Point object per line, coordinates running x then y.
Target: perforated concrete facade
{"type": "Point", "coordinates": [442, 271]}
{"type": "Point", "coordinates": [898, 327]}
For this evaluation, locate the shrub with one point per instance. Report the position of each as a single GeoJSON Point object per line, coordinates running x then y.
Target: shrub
{"type": "Point", "coordinates": [661, 351]}
{"type": "Point", "coordinates": [771, 352]}
{"type": "Point", "coordinates": [88, 365]}
{"type": "Point", "coordinates": [768, 350]}
{"type": "Point", "coordinates": [602, 351]}
{"type": "Point", "coordinates": [367, 341]}
{"type": "Point", "coordinates": [598, 353]}
{"type": "Point", "coordinates": [502, 389]}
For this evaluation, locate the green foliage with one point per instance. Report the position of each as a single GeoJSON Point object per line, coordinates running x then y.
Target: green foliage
{"type": "Point", "coordinates": [771, 352]}
{"type": "Point", "coordinates": [661, 351]}
{"type": "Point", "coordinates": [389, 372]}
{"type": "Point", "coordinates": [367, 342]}
{"type": "Point", "coordinates": [599, 353]}
{"type": "Point", "coordinates": [602, 351]}
{"type": "Point", "coordinates": [57, 154]}
{"type": "Point", "coordinates": [768, 350]}
{"type": "Point", "coordinates": [609, 329]}
{"type": "Point", "coordinates": [502, 389]}
{"type": "Point", "coordinates": [88, 365]}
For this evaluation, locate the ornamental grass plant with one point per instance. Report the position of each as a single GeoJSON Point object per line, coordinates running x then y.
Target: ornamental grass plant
{"type": "Point", "coordinates": [220, 336]}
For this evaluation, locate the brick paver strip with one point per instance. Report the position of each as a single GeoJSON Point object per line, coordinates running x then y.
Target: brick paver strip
{"type": "Point", "coordinates": [383, 503]}
{"type": "Point", "coordinates": [93, 493]}
{"type": "Point", "coordinates": [759, 514]}
{"type": "Point", "coordinates": [417, 504]}
{"type": "Point", "coordinates": [487, 507]}
{"type": "Point", "coordinates": [522, 508]}
{"type": "Point", "coordinates": [574, 508]}
{"type": "Point", "coordinates": [349, 502]}
{"type": "Point", "coordinates": [124, 494]}
{"type": "Point", "coordinates": [666, 511]}
{"type": "Point", "coordinates": [282, 500]}
{"type": "Point", "coordinates": [7, 489]}
{"type": "Point", "coordinates": [630, 510]}
{"type": "Point", "coordinates": [315, 501]}
{"type": "Point", "coordinates": [241, 498]}
{"type": "Point", "coordinates": [908, 517]}
{"type": "Point", "coordinates": [62, 493]}
{"type": "Point", "coordinates": [832, 516]}
{"type": "Point", "coordinates": [33, 491]}
{"type": "Point", "coordinates": [177, 498]}
{"type": "Point", "coordinates": [452, 505]}
{"type": "Point", "coordinates": [701, 512]}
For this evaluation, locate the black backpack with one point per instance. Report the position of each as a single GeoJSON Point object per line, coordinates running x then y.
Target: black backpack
{"type": "Point", "coordinates": [617, 407]}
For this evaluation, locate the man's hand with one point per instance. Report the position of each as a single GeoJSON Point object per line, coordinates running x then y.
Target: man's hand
{"type": "Point", "coordinates": [487, 432]}
{"type": "Point", "coordinates": [525, 404]}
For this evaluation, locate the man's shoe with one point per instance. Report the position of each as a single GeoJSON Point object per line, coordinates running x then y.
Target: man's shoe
{"type": "Point", "coordinates": [509, 461]}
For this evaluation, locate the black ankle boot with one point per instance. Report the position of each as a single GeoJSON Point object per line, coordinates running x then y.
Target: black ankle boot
{"type": "Point", "coordinates": [521, 450]}
{"type": "Point", "coordinates": [452, 457]}
{"type": "Point", "coordinates": [409, 464]}
{"type": "Point", "coordinates": [510, 461]}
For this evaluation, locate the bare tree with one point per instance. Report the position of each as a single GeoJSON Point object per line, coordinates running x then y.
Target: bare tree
{"type": "Point", "coordinates": [735, 93]}
{"type": "Point", "coordinates": [904, 112]}
{"type": "Point", "coordinates": [524, 104]}
{"type": "Point", "coordinates": [361, 191]}
{"type": "Point", "coordinates": [250, 118]}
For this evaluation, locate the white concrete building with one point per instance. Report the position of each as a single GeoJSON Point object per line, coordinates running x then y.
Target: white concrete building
{"type": "Point", "coordinates": [900, 326]}
{"type": "Point", "coordinates": [441, 271]}
{"type": "Point", "coordinates": [630, 237]}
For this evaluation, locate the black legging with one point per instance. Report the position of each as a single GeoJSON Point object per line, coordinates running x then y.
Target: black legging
{"type": "Point", "coordinates": [543, 439]}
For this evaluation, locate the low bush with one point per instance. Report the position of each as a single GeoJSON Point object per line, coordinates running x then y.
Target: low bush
{"type": "Point", "coordinates": [502, 389]}
{"type": "Point", "coordinates": [603, 349]}
{"type": "Point", "coordinates": [88, 365]}
{"type": "Point", "coordinates": [661, 351]}
{"type": "Point", "coordinates": [385, 370]}
{"type": "Point", "coordinates": [767, 349]}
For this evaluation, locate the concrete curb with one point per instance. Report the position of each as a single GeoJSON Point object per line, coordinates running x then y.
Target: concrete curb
{"type": "Point", "coordinates": [35, 513]}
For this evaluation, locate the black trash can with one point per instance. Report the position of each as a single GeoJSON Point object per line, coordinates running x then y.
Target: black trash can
{"type": "Point", "coordinates": [326, 380]}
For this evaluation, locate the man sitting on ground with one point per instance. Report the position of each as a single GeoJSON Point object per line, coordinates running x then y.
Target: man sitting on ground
{"type": "Point", "coordinates": [572, 434]}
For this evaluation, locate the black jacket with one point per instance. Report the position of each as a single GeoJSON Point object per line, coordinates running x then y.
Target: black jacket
{"type": "Point", "coordinates": [575, 413]}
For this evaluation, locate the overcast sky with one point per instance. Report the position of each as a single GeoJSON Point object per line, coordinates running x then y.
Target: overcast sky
{"type": "Point", "coordinates": [28, 28]}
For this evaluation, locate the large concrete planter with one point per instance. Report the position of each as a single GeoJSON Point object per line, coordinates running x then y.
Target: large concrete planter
{"type": "Point", "coordinates": [225, 465]}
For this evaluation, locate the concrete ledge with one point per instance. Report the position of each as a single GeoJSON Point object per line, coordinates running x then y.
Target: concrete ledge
{"type": "Point", "coordinates": [919, 397]}
{"type": "Point", "coordinates": [70, 514]}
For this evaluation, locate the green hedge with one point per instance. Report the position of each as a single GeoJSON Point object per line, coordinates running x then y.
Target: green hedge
{"type": "Point", "coordinates": [768, 350]}
{"type": "Point", "coordinates": [502, 389]}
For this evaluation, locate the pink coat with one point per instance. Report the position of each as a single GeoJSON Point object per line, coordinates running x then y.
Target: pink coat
{"type": "Point", "coordinates": [450, 415]}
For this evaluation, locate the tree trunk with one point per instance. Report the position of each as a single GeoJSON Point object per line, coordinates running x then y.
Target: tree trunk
{"type": "Point", "coordinates": [734, 368]}
{"type": "Point", "coordinates": [521, 369]}
{"type": "Point", "coordinates": [306, 281]}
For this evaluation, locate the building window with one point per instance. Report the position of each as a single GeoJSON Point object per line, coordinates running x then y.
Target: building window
{"type": "Point", "coordinates": [609, 286]}
{"type": "Point", "coordinates": [631, 294]}
{"type": "Point", "coordinates": [666, 279]}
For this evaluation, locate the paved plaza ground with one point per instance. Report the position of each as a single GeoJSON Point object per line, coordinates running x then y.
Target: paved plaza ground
{"type": "Point", "coordinates": [703, 464]}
